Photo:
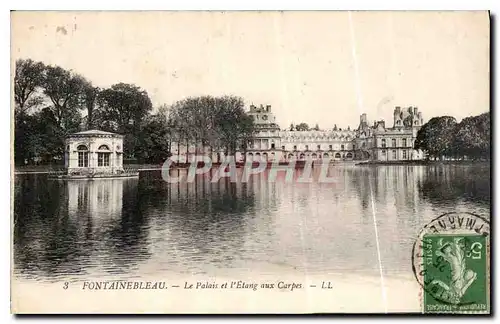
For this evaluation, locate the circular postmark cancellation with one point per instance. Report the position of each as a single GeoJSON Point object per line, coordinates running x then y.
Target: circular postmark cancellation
{"type": "Point", "coordinates": [451, 262]}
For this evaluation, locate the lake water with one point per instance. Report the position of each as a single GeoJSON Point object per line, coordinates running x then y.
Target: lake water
{"type": "Point", "coordinates": [128, 228]}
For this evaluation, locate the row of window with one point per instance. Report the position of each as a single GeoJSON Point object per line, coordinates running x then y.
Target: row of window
{"type": "Point", "coordinates": [84, 148]}
{"type": "Point", "coordinates": [303, 155]}
{"type": "Point", "coordinates": [330, 147]}
{"type": "Point", "coordinates": [395, 154]}
{"type": "Point", "coordinates": [102, 159]}
{"type": "Point", "coordinates": [404, 142]}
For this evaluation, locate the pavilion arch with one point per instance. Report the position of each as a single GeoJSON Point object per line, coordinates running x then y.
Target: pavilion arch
{"type": "Point", "coordinates": [103, 148]}
{"type": "Point", "coordinates": [82, 147]}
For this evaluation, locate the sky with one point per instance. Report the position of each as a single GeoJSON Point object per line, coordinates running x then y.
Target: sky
{"type": "Point", "coordinates": [324, 67]}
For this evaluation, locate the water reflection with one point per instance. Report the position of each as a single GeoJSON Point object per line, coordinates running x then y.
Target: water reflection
{"type": "Point", "coordinates": [147, 226]}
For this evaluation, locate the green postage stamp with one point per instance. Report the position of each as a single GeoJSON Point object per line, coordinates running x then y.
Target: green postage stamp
{"type": "Point", "coordinates": [451, 261]}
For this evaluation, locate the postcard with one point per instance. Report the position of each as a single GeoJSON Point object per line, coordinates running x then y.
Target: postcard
{"type": "Point", "coordinates": [250, 162]}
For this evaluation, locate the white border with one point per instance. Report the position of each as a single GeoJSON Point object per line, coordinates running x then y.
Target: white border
{"type": "Point", "coordinates": [492, 5]}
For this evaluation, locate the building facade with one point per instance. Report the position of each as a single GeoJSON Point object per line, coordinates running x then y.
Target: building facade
{"type": "Point", "coordinates": [94, 152]}
{"type": "Point", "coordinates": [368, 142]}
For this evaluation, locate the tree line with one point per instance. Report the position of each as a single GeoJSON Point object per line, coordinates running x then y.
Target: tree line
{"type": "Point", "coordinates": [444, 138]}
{"type": "Point", "coordinates": [52, 102]}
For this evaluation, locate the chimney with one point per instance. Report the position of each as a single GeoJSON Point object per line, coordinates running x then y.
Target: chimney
{"type": "Point", "coordinates": [252, 108]}
{"type": "Point", "coordinates": [362, 118]}
{"type": "Point", "coordinates": [268, 108]}
{"type": "Point", "coordinates": [415, 111]}
{"type": "Point", "coordinates": [397, 110]}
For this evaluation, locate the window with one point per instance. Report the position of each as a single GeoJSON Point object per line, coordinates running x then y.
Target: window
{"type": "Point", "coordinates": [83, 159]}
{"type": "Point", "coordinates": [404, 143]}
{"type": "Point", "coordinates": [383, 142]}
{"type": "Point", "coordinates": [283, 147]}
{"type": "Point", "coordinates": [330, 147]}
{"type": "Point", "coordinates": [103, 159]}
{"type": "Point", "coordinates": [307, 147]}
{"type": "Point", "coordinates": [393, 142]}
{"type": "Point", "coordinates": [83, 156]}
{"type": "Point", "coordinates": [404, 155]}
{"type": "Point", "coordinates": [272, 145]}
{"type": "Point", "coordinates": [295, 147]}
{"type": "Point", "coordinates": [394, 155]}
{"type": "Point", "coordinates": [103, 148]}
{"type": "Point", "coordinates": [342, 147]}
{"type": "Point", "coordinates": [353, 147]}
{"type": "Point", "coordinates": [319, 147]}
{"type": "Point", "coordinates": [383, 152]}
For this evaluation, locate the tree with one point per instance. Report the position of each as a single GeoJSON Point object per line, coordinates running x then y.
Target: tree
{"type": "Point", "coordinates": [316, 127]}
{"type": "Point", "coordinates": [302, 127]}
{"type": "Point", "coordinates": [64, 89]}
{"type": "Point", "coordinates": [436, 137]}
{"type": "Point", "coordinates": [27, 80]}
{"type": "Point", "coordinates": [472, 137]}
{"type": "Point", "coordinates": [89, 97]}
{"type": "Point", "coordinates": [154, 140]}
{"type": "Point", "coordinates": [124, 105]}
{"type": "Point", "coordinates": [122, 108]}
{"type": "Point", "coordinates": [220, 123]}
{"type": "Point", "coordinates": [233, 126]}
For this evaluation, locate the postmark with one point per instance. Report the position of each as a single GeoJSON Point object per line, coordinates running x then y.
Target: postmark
{"type": "Point", "coordinates": [451, 262]}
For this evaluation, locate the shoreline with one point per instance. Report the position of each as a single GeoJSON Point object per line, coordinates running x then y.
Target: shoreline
{"type": "Point", "coordinates": [422, 163]}
{"type": "Point", "coordinates": [151, 167]}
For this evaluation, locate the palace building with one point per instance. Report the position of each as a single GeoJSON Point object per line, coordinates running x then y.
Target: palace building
{"type": "Point", "coordinates": [367, 142]}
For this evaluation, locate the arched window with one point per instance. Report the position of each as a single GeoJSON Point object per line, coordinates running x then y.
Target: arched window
{"type": "Point", "coordinates": [349, 155]}
{"type": "Point", "coordinates": [103, 157]}
{"type": "Point", "coordinates": [103, 148]}
{"type": "Point", "coordinates": [314, 156]}
{"type": "Point", "coordinates": [325, 155]}
{"type": "Point", "coordinates": [82, 148]}
{"type": "Point", "coordinates": [302, 155]}
{"type": "Point", "coordinates": [337, 155]}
